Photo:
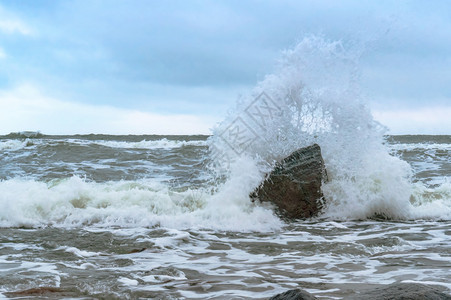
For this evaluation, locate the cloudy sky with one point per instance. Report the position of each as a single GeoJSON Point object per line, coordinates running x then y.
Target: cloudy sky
{"type": "Point", "coordinates": [176, 67]}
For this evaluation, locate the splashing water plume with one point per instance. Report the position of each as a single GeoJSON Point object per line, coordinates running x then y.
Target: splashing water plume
{"type": "Point", "coordinates": [314, 97]}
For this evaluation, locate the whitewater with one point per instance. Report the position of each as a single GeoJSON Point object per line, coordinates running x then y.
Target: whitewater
{"type": "Point", "coordinates": [169, 217]}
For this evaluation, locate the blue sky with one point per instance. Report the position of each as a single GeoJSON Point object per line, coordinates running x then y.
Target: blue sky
{"type": "Point", "coordinates": [176, 67]}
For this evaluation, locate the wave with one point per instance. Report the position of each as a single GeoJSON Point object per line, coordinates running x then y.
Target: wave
{"type": "Point", "coordinates": [14, 145]}
{"type": "Point", "coordinates": [315, 97]}
{"type": "Point", "coordinates": [157, 144]}
{"type": "Point", "coordinates": [420, 146]}
{"type": "Point", "coordinates": [24, 134]}
{"type": "Point", "coordinates": [76, 202]}
{"type": "Point", "coordinates": [164, 143]}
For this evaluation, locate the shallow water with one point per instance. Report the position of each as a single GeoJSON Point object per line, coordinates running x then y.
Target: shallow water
{"type": "Point", "coordinates": [326, 258]}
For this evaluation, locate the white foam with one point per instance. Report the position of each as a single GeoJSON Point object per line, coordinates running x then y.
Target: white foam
{"type": "Point", "coordinates": [157, 144]}
{"type": "Point", "coordinates": [78, 252]}
{"type": "Point", "coordinates": [420, 146]}
{"type": "Point", "coordinates": [127, 281]}
{"type": "Point", "coordinates": [76, 202]}
{"type": "Point", "coordinates": [20, 246]}
{"type": "Point", "coordinates": [86, 266]}
{"type": "Point", "coordinates": [431, 203]}
{"type": "Point", "coordinates": [13, 145]}
{"type": "Point", "coordinates": [315, 98]}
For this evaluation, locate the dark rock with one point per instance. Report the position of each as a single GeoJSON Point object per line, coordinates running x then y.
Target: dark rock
{"type": "Point", "coordinates": [137, 250]}
{"type": "Point", "coordinates": [404, 291]}
{"type": "Point", "coordinates": [296, 294]}
{"type": "Point", "coordinates": [294, 185]}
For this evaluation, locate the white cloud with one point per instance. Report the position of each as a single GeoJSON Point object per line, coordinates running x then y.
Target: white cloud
{"type": "Point", "coordinates": [2, 53]}
{"type": "Point", "coordinates": [425, 120]}
{"type": "Point", "coordinates": [14, 26]}
{"type": "Point", "coordinates": [25, 108]}
{"type": "Point", "coordinates": [11, 24]}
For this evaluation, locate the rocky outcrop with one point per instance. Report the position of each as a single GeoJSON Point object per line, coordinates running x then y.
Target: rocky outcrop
{"type": "Point", "coordinates": [294, 185]}
{"type": "Point", "coordinates": [395, 291]}
{"type": "Point", "coordinates": [296, 294]}
{"type": "Point", "coordinates": [404, 291]}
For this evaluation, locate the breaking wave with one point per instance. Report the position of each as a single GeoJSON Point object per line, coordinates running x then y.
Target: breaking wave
{"type": "Point", "coordinates": [314, 97]}
{"type": "Point", "coordinates": [75, 202]}
{"type": "Point", "coordinates": [13, 145]}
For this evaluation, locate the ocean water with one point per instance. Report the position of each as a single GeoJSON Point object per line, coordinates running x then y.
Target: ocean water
{"type": "Point", "coordinates": [135, 216]}
{"type": "Point", "coordinates": [169, 217]}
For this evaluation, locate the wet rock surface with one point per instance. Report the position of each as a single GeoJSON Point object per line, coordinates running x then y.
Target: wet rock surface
{"type": "Point", "coordinates": [404, 291]}
{"type": "Point", "coordinates": [294, 185]}
{"type": "Point", "coordinates": [295, 294]}
{"type": "Point", "coordinates": [395, 291]}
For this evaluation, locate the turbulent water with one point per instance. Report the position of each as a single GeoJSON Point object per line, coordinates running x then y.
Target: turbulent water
{"type": "Point", "coordinates": [135, 216]}
{"type": "Point", "coordinates": [169, 217]}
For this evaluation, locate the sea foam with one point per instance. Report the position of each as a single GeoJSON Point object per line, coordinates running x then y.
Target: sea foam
{"type": "Point", "coordinates": [75, 202]}
{"type": "Point", "coordinates": [156, 144]}
{"type": "Point", "coordinates": [314, 97]}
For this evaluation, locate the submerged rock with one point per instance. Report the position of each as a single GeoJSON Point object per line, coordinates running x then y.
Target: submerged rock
{"type": "Point", "coordinates": [296, 294]}
{"type": "Point", "coordinates": [404, 291]}
{"type": "Point", "coordinates": [41, 291]}
{"type": "Point", "coordinates": [294, 185]}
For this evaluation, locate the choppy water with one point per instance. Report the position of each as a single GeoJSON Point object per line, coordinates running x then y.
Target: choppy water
{"type": "Point", "coordinates": [134, 216]}
{"type": "Point", "coordinates": [131, 217]}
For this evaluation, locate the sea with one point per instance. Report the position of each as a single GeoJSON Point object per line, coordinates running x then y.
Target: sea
{"type": "Point", "coordinates": [169, 217]}
{"type": "Point", "coordinates": [129, 217]}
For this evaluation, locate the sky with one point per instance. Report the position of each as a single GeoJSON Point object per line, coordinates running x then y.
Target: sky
{"type": "Point", "coordinates": [177, 67]}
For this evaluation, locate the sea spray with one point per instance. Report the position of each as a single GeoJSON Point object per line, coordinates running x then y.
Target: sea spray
{"type": "Point", "coordinates": [146, 182]}
{"type": "Point", "coordinates": [314, 97]}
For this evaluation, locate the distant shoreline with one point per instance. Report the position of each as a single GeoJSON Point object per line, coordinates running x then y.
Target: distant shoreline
{"type": "Point", "coordinates": [38, 134]}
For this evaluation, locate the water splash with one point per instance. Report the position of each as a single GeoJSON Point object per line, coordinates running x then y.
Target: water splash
{"type": "Point", "coordinates": [314, 97]}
